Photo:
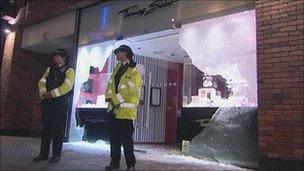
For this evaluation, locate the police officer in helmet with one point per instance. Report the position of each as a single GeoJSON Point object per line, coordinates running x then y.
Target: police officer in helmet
{"type": "Point", "coordinates": [122, 95]}
{"type": "Point", "coordinates": [54, 89]}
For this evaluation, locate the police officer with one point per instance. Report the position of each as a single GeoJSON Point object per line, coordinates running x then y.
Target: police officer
{"type": "Point", "coordinates": [122, 95]}
{"type": "Point", "coordinates": [54, 89]}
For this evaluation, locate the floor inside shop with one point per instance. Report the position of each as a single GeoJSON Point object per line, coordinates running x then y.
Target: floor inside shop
{"type": "Point", "coordinates": [17, 154]}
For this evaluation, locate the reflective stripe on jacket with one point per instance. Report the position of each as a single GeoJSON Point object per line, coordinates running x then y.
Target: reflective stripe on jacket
{"type": "Point", "coordinates": [63, 89]}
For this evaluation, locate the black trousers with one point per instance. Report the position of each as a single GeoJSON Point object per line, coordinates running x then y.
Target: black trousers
{"type": "Point", "coordinates": [53, 118]}
{"type": "Point", "coordinates": [121, 132]}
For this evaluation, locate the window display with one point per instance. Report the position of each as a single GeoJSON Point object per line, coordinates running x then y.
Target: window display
{"type": "Point", "coordinates": [222, 65]}
{"type": "Point", "coordinates": [93, 74]}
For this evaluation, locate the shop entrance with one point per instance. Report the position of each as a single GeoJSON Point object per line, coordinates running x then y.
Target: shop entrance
{"type": "Point", "coordinates": [160, 60]}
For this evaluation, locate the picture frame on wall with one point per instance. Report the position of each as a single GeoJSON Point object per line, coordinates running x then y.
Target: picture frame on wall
{"type": "Point", "coordinates": [142, 95]}
{"type": "Point", "coordinates": [155, 96]}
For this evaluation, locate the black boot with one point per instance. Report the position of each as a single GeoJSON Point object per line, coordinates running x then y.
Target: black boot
{"type": "Point", "coordinates": [130, 168]}
{"type": "Point", "coordinates": [112, 167]}
{"type": "Point", "coordinates": [40, 158]}
{"type": "Point", "coordinates": [54, 159]}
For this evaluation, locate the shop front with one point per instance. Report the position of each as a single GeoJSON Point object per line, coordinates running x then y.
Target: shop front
{"type": "Point", "coordinates": [197, 59]}
{"type": "Point", "coordinates": [198, 64]}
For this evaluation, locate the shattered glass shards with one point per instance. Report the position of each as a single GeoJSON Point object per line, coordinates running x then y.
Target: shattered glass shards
{"type": "Point", "coordinates": [231, 138]}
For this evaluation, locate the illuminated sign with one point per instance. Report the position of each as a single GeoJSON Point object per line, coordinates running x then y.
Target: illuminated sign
{"type": "Point", "coordinates": [134, 11]}
{"type": "Point", "coordinates": [104, 17]}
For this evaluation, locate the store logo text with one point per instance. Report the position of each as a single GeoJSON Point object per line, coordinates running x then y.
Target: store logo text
{"type": "Point", "coordinates": [133, 12]}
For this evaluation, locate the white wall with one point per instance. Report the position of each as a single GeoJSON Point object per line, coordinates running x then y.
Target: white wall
{"type": "Point", "coordinates": [55, 28]}
{"type": "Point", "coordinates": [94, 30]}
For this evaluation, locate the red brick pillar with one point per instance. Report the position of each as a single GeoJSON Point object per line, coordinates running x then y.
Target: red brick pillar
{"type": "Point", "coordinates": [5, 74]}
{"type": "Point", "coordinates": [280, 78]}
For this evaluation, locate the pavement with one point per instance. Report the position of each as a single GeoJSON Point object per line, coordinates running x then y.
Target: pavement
{"type": "Point", "coordinates": [17, 154]}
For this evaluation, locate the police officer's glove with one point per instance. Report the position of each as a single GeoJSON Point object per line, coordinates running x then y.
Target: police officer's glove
{"type": "Point", "coordinates": [48, 95]}
{"type": "Point", "coordinates": [114, 106]}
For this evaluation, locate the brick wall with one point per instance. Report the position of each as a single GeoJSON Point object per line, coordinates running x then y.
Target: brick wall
{"type": "Point", "coordinates": [5, 72]}
{"type": "Point", "coordinates": [280, 77]}
{"type": "Point", "coordinates": [41, 10]}
{"type": "Point", "coordinates": [19, 95]}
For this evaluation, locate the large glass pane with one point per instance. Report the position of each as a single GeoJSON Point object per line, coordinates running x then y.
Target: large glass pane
{"type": "Point", "coordinates": [230, 137]}
{"type": "Point", "coordinates": [219, 115]}
{"type": "Point", "coordinates": [93, 70]}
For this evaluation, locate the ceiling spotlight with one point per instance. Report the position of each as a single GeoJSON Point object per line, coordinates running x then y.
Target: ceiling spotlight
{"type": "Point", "coordinates": [172, 19]}
{"type": "Point", "coordinates": [7, 31]}
{"type": "Point", "coordinates": [158, 51]}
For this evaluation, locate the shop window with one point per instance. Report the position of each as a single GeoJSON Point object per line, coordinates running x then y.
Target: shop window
{"type": "Point", "coordinates": [93, 72]}
{"type": "Point", "coordinates": [222, 67]}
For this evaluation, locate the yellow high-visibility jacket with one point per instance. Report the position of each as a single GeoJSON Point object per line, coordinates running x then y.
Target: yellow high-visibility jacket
{"type": "Point", "coordinates": [63, 89]}
{"type": "Point", "coordinates": [126, 99]}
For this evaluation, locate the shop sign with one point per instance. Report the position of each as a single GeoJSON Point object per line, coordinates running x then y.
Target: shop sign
{"type": "Point", "coordinates": [157, 5]}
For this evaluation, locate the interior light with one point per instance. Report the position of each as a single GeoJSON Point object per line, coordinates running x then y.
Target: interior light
{"type": "Point", "coordinates": [172, 19]}
{"type": "Point", "coordinates": [158, 51]}
{"type": "Point", "coordinates": [104, 17]}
